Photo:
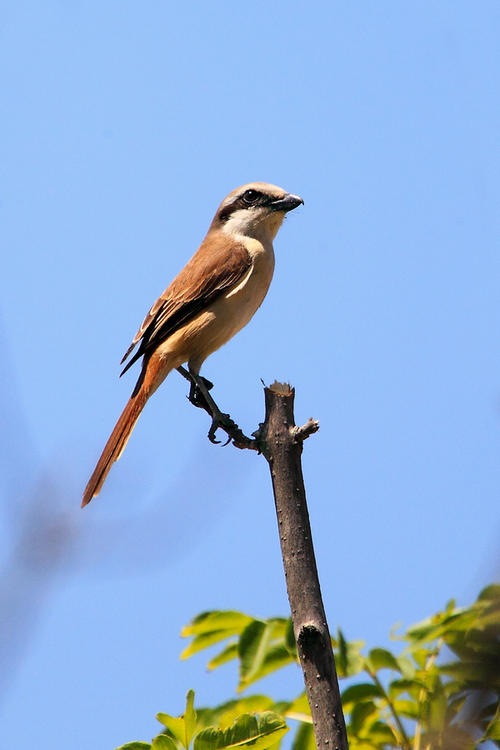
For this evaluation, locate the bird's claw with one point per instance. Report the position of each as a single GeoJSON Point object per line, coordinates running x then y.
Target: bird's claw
{"type": "Point", "coordinates": [223, 421]}
{"type": "Point", "coordinates": [196, 396]}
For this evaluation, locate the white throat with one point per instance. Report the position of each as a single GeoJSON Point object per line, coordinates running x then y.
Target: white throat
{"type": "Point", "coordinates": [258, 224]}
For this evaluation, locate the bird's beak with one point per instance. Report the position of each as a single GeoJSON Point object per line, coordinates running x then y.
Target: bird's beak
{"type": "Point", "coordinates": [288, 203]}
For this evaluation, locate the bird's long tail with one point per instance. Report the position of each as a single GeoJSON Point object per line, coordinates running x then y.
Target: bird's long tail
{"type": "Point", "coordinates": [148, 382]}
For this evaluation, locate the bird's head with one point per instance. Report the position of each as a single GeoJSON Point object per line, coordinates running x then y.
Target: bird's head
{"type": "Point", "coordinates": [254, 210]}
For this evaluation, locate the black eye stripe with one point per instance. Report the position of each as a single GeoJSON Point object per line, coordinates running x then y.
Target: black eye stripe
{"type": "Point", "coordinates": [238, 203]}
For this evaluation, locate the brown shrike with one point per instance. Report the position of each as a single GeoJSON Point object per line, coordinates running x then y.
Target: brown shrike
{"type": "Point", "coordinates": [210, 300]}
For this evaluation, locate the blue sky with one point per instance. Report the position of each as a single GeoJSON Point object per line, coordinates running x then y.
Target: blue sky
{"type": "Point", "coordinates": [123, 125]}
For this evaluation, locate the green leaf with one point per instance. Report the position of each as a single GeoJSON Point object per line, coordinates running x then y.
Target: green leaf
{"type": "Point", "coordinates": [472, 674]}
{"type": "Point", "coordinates": [175, 724]}
{"type": "Point", "coordinates": [135, 746]}
{"type": "Point", "coordinates": [360, 692]}
{"type": "Point", "coordinates": [208, 622]}
{"type": "Point", "coordinates": [421, 656]}
{"type": "Point", "coordinates": [227, 654]}
{"type": "Point", "coordinates": [360, 715]}
{"type": "Point", "coordinates": [408, 709]}
{"type": "Point", "coordinates": [205, 640]}
{"type": "Point", "coordinates": [437, 708]}
{"type": "Point", "coordinates": [163, 742]}
{"type": "Point", "coordinates": [382, 733]}
{"type": "Point", "coordinates": [252, 648]}
{"type": "Point", "coordinates": [276, 658]}
{"type": "Point", "coordinates": [189, 718]}
{"type": "Point", "coordinates": [348, 658]}
{"type": "Point", "coordinates": [406, 667]}
{"type": "Point", "coordinates": [412, 687]}
{"type": "Point", "coordinates": [490, 593]}
{"type": "Point", "coordinates": [228, 712]}
{"type": "Point", "coordinates": [290, 642]}
{"type": "Point", "coordinates": [259, 730]}
{"type": "Point", "coordinates": [380, 658]}
{"type": "Point", "coordinates": [299, 709]}
{"type": "Point", "coordinates": [304, 738]}
{"type": "Point", "coordinates": [493, 728]}
{"type": "Point", "coordinates": [440, 626]}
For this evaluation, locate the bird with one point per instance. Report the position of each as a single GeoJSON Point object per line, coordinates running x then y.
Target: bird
{"type": "Point", "coordinates": [208, 302]}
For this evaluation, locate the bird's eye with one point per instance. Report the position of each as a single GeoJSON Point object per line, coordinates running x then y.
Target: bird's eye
{"type": "Point", "coordinates": [251, 196]}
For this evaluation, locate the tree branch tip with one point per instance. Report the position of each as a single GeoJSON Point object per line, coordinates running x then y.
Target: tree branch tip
{"type": "Point", "coordinates": [309, 428]}
{"type": "Point", "coordinates": [282, 389]}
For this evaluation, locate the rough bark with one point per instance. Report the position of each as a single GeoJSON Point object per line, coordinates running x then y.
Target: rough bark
{"type": "Point", "coordinates": [281, 444]}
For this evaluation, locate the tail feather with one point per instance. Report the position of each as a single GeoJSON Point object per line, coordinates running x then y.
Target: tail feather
{"type": "Point", "coordinates": [116, 444]}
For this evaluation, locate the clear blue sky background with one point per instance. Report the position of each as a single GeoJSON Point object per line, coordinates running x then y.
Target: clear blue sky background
{"type": "Point", "coordinates": [123, 125]}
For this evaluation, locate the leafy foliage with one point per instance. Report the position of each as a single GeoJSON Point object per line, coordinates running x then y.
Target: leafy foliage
{"type": "Point", "coordinates": [195, 729]}
{"type": "Point", "coordinates": [441, 691]}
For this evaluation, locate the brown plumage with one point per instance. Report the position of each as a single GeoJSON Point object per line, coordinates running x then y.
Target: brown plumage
{"type": "Point", "coordinates": [210, 300]}
{"type": "Point", "coordinates": [116, 443]}
{"type": "Point", "coordinates": [217, 266]}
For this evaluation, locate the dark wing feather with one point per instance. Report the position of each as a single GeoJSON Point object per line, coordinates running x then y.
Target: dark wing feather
{"type": "Point", "coordinates": [218, 265]}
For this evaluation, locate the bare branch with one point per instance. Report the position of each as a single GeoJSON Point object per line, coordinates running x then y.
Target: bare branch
{"type": "Point", "coordinates": [309, 428]}
{"type": "Point", "coordinates": [281, 442]}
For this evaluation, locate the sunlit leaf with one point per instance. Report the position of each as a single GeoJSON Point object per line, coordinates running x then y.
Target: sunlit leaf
{"type": "Point", "coordinates": [403, 685]}
{"type": "Point", "coordinates": [227, 654]}
{"type": "Point", "coordinates": [276, 658]}
{"type": "Point", "coordinates": [473, 673]}
{"type": "Point", "coordinates": [299, 709]}
{"type": "Point", "coordinates": [162, 742]}
{"type": "Point", "coordinates": [490, 593]}
{"type": "Point", "coordinates": [362, 691]}
{"type": "Point", "coordinates": [382, 733]}
{"type": "Point", "coordinates": [259, 652]}
{"type": "Point", "coordinates": [175, 725]}
{"type": "Point", "coordinates": [259, 730]}
{"type": "Point", "coordinates": [189, 718]}
{"type": "Point", "coordinates": [230, 711]}
{"type": "Point", "coordinates": [208, 622]}
{"type": "Point", "coordinates": [408, 709]}
{"type": "Point", "coordinates": [253, 645]}
{"type": "Point", "coordinates": [304, 738]}
{"type": "Point", "coordinates": [135, 746]}
{"type": "Point", "coordinates": [348, 659]}
{"type": "Point", "coordinates": [422, 655]}
{"type": "Point", "coordinates": [440, 625]}
{"type": "Point", "coordinates": [437, 708]}
{"type": "Point", "coordinates": [493, 728]}
{"type": "Point", "coordinates": [406, 667]}
{"type": "Point", "coordinates": [380, 658]}
{"type": "Point", "coordinates": [205, 640]}
{"type": "Point", "coordinates": [360, 715]}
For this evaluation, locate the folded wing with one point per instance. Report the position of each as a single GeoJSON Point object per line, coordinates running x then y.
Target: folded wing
{"type": "Point", "coordinates": [215, 268]}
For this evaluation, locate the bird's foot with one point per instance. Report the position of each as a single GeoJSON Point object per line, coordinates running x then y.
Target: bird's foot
{"type": "Point", "coordinates": [223, 421]}
{"type": "Point", "coordinates": [196, 395]}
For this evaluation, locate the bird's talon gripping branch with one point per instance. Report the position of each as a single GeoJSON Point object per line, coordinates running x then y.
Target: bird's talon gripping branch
{"type": "Point", "coordinates": [213, 429]}
{"type": "Point", "coordinates": [224, 422]}
{"type": "Point", "coordinates": [196, 397]}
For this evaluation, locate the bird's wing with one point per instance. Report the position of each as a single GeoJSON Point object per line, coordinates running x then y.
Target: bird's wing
{"type": "Point", "coordinates": [217, 266]}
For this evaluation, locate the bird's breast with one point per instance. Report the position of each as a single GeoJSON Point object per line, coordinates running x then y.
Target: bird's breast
{"type": "Point", "coordinates": [233, 309]}
{"type": "Point", "coordinates": [221, 320]}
